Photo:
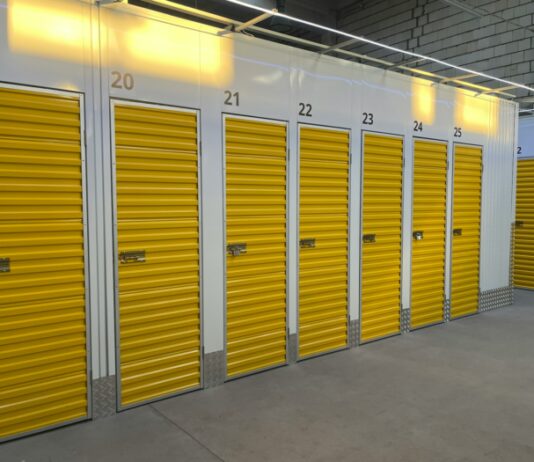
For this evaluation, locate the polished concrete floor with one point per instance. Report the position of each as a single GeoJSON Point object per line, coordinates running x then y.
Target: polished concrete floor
{"type": "Point", "coordinates": [460, 392]}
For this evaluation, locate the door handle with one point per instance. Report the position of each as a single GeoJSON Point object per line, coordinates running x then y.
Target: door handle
{"type": "Point", "coordinates": [132, 256]}
{"type": "Point", "coordinates": [457, 231]}
{"type": "Point", "coordinates": [418, 235]}
{"type": "Point", "coordinates": [369, 238]}
{"type": "Point", "coordinates": [307, 243]}
{"type": "Point", "coordinates": [5, 265]}
{"type": "Point", "coordinates": [236, 249]}
{"type": "Point", "coordinates": [519, 224]}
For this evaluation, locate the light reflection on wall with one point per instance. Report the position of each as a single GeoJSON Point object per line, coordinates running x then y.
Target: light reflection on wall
{"type": "Point", "coordinates": [423, 101]}
{"type": "Point", "coordinates": [475, 113]}
{"type": "Point", "coordinates": [182, 51]}
{"type": "Point", "coordinates": [51, 29]}
{"type": "Point", "coordinates": [188, 51]}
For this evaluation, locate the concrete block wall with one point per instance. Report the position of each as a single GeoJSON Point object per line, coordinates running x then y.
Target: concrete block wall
{"type": "Point", "coordinates": [501, 42]}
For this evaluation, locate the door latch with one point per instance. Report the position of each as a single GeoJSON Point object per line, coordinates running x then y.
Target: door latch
{"type": "Point", "coordinates": [519, 223]}
{"type": "Point", "coordinates": [307, 243]}
{"type": "Point", "coordinates": [236, 249]}
{"type": "Point", "coordinates": [457, 231]}
{"type": "Point", "coordinates": [369, 238]}
{"type": "Point", "coordinates": [132, 256]}
{"type": "Point", "coordinates": [418, 235]}
{"type": "Point", "coordinates": [5, 265]}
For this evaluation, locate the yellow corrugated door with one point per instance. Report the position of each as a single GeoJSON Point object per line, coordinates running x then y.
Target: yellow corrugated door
{"type": "Point", "coordinates": [156, 156]}
{"type": "Point", "coordinates": [256, 245]}
{"type": "Point", "coordinates": [43, 354]}
{"type": "Point", "coordinates": [524, 230]}
{"type": "Point", "coordinates": [324, 229]}
{"type": "Point", "coordinates": [428, 232]}
{"type": "Point", "coordinates": [466, 230]}
{"type": "Point", "coordinates": [381, 236]}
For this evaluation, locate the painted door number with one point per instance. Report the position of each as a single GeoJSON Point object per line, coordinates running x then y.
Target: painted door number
{"type": "Point", "coordinates": [231, 98]}
{"type": "Point", "coordinates": [122, 81]}
{"type": "Point", "coordinates": [305, 110]}
{"type": "Point", "coordinates": [368, 118]}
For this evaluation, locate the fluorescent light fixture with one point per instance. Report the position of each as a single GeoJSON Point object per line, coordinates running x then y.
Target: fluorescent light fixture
{"type": "Point", "coordinates": [380, 45]}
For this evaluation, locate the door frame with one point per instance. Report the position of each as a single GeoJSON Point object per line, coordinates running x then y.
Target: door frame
{"type": "Point", "coordinates": [362, 176]}
{"type": "Point", "coordinates": [349, 232]}
{"type": "Point", "coordinates": [113, 102]}
{"type": "Point", "coordinates": [447, 146]}
{"type": "Point", "coordinates": [86, 260]}
{"type": "Point", "coordinates": [225, 116]}
{"type": "Point", "coordinates": [451, 269]}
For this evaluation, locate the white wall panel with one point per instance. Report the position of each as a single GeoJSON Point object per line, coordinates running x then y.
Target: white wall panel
{"type": "Point", "coordinates": [498, 197]}
{"type": "Point", "coordinates": [526, 137]}
{"type": "Point", "coordinates": [180, 63]}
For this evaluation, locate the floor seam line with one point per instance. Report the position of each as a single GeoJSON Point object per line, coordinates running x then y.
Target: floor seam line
{"type": "Point", "coordinates": [168, 419]}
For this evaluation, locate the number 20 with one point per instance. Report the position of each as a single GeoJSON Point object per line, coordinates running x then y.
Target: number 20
{"type": "Point", "coordinates": [121, 80]}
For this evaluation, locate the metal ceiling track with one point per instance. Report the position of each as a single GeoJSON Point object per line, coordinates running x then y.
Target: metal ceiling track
{"type": "Point", "coordinates": [406, 65]}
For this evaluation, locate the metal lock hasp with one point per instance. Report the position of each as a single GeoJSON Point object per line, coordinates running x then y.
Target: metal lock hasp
{"type": "Point", "coordinates": [307, 243]}
{"type": "Point", "coordinates": [236, 249]}
{"type": "Point", "coordinates": [5, 265]}
{"type": "Point", "coordinates": [132, 256]}
{"type": "Point", "coordinates": [418, 235]}
{"type": "Point", "coordinates": [369, 238]}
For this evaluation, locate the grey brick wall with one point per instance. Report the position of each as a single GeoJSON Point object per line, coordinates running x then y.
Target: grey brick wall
{"type": "Point", "coordinates": [501, 42]}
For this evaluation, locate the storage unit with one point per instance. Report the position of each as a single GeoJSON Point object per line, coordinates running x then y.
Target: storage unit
{"type": "Point", "coordinates": [465, 261]}
{"type": "Point", "coordinates": [381, 236]}
{"type": "Point", "coordinates": [429, 219]}
{"type": "Point", "coordinates": [323, 241]}
{"type": "Point", "coordinates": [158, 276]}
{"type": "Point", "coordinates": [191, 286]}
{"type": "Point", "coordinates": [43, 341]}
{"type": "Point", "coordinates": [256, 327]}
{"type": "Point", "coordinates": [524, 226]}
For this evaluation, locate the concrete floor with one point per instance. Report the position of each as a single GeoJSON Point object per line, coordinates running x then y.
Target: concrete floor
{"type": "Point", "coordinates": [460, 392]}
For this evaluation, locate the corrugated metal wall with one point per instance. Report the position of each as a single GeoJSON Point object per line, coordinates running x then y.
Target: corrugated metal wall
{"type": "Point", "coordinates": [498, 198]}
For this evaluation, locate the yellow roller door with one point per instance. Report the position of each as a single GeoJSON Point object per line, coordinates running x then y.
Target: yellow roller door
{"type": "Point", "coordinates": [524, 232]}
{"type": "Point", "coordinates": [466, 230]}
{"type": "Point", "coordinates": [158, 251]}
{"type": "Point", "coordinates": [428, 232]}
{"type": "Point", "coordinates": [324, 228]}
{"type": "Point", "coordinates": [381, 236]}
{"type": "Point", "coordinates": [43, 354]}
{"type": "Point", "coordinates": [256, 245]}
